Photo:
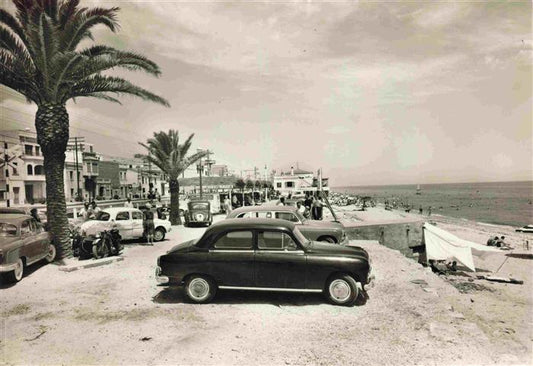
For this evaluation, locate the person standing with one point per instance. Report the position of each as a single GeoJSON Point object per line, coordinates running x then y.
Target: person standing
{"type": "Point", "coordinates": [227, 205]}
{"type": "Point", "coordinates": [301, 208]}
{"type": "Point", "coordinates": [148, 224]}
{"type": "Point", "coordinates": [35, 214]}
{"type": "Point", "coordinates": [128, 203]}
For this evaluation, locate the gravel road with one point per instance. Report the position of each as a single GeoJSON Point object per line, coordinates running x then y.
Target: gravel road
{"type": "Point", "coordinates": [116, 314]}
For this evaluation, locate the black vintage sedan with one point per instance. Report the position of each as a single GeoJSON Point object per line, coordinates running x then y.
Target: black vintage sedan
{"type": "Point", "coordinates": [266, 255]}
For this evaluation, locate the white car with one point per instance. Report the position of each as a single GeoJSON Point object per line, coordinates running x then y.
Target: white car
{"type": "Point", "coordinates": [128, 221]}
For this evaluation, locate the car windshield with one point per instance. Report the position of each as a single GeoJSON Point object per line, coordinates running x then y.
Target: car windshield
{"type": "Point", "coordinates": [199, 206]}
{"type": "Point", "coordinates": [302, 239]}
{"type": "Point", "coordinates": [7, 229]}
{"type": "Point", "coordinates": [102, 216]}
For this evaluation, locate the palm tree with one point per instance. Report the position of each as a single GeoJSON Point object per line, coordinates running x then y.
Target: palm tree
{"type": "Point", "coordinates": [165, 151]}
{"type": "Point", "coordinates": [40, 58]}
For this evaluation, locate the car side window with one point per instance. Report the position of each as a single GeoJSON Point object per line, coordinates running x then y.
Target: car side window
{"type": "Point", "coordinates": [25, 228]}
{"type": "Point", "coordinates": [287, 216]}
{"type": "Point", "coordinates": [137, 215]}
{"type": "Point", "coordinates": [275, 240]}
{"type": "Point", "coordinates": [122, 216]}
{"type": "Point", "coordinates": [235, 240]}
{"type": "Point", "coordinates": [265, 215]}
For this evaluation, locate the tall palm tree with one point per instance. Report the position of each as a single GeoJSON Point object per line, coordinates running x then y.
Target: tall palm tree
{"type": "Point", "coordinates": [40, 58]}
{"type": "Point", "coordinates": [166, 152]}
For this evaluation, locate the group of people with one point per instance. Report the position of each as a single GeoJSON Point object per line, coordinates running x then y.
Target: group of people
{"type": "Point", "coordinates": [89, 210]}
{"type": "Point", "coordinates": [497, 242]}
{"type": "Point", "coordinates": [310, 207]}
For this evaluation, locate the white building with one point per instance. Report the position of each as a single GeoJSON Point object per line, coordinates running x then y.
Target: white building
{"type": "Point", "coordinates": [298, 182]}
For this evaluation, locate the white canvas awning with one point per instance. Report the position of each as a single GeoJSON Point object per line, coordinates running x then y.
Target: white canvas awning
{"type": "Point", "coordinates": [442, 245]}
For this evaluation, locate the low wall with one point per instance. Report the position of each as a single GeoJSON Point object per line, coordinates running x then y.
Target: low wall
{"type": "Point", "coordinates": [400, 235]}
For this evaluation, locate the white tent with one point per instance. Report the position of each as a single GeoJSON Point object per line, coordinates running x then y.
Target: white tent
{"type": "Point", "coordinates": [442, 245]}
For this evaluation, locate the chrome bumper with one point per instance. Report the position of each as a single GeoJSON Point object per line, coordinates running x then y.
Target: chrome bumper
{"type": "Point", "coordinates": [7, 267]}
{"type": "Point", "coordinates": [161, 280]}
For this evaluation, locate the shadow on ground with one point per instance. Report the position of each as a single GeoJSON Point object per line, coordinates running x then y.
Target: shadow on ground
{"type": "Point", "coordinates": [175, 295]}
{"type": "Point", "coordinates": [520, 255]}
{"type": "Point", "coordinates": [28, 271]}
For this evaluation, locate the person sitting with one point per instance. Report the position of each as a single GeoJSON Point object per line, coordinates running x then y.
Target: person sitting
{"type": "Point", "coordinates": [281, 201]}
{"type": "Point", "coordinates": [492, 241]}
{"type": "Point", "coordinates": [35, 214]}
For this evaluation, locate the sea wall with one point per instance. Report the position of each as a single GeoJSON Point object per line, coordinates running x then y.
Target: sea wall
{"type": "Point", "coordinates": [400, 235]}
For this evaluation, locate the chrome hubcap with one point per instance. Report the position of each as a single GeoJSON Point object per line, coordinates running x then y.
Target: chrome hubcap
{"type": "Point", "coordinates": [19, 269]}
{"type": "Point", "coordinates": [158, 235]}
{"type": "Point", "coordinates": [199, 288]}
{"type": "Point", "coordinates": [340, 290]}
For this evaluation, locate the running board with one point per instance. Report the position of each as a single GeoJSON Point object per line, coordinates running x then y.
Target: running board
{"type": "Point", "coordinates": [267, 289]}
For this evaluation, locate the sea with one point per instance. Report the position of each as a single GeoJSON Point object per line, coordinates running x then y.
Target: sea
{"type": "Point", "coordinates": [499, 203]}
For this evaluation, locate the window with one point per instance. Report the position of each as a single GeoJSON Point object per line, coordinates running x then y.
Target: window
{"type": "Point", "coordinates": [287, 216]}
{"type": "Point", "coordinates": [235, 240]}
{"type": "Point", "coordinates": [275, 240]}
{"type": "Point", "coordinates": [38, 170]}
{"type": "Point", "coordinates": [37, 151]}
{"type": "Point", "coordinates": [25, 227]}
{"type": "Point", "coordinates": [102, 216]}
{"type": "Point", "coordinates": [71, 175]}
{"type": "Point", "coordinates": [123, 216]}
{"type": "Point", "coordinates": [265, 215]}
{"type": "Point", "coordinates": [289, 184]}
{"type": "Point", "coordinates": [7, 230]}
{"type": "Point", "coordinates": [30, 169]}
{"type": "Point", "coordinates": [28, 150]}
{"type": "Point", "coordinates": [137, 215]}
{"type": "Point", "coordinates": [247, 215]}
{"type": "Point", "coordinates": [278, 185]}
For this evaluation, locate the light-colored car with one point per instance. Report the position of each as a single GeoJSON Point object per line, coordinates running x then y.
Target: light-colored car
{"type": "Point", "coordinates": [128, 221]}
{"type": "Point", "coordinates": [317, 230]}
{"type": "Point", "coordinates": [22, 242]}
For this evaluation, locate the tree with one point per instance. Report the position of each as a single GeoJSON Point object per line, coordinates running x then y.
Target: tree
{"type": "Point", "coordinates": [165, 151]}
{"type": "Point", "coordinates": [240, 184]}
{"type": "Point", "coordinates": [40, 59]}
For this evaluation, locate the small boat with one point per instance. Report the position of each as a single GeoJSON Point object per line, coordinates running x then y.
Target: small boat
{"type": "Point", "coordinates": [418, 191]}
{"type": "Point", "coordinates": [525, 229]}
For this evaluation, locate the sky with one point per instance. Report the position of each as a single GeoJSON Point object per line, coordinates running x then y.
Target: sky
{"type": "Point", "coordinates": [371, 92]}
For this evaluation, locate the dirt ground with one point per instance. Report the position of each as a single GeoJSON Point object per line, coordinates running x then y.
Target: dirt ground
{"type": "Point", "coordinates": [116, 314]}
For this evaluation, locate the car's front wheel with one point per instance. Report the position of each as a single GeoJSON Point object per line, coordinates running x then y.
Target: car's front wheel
{"type": "Point", "coordinates": [159, 234]}
{"type": "Point", "coordinates": [342, 290]}
{"type": "Point", "coordinates": [16, 274]}
{"type": "Point", "coordinates": [200, 289]}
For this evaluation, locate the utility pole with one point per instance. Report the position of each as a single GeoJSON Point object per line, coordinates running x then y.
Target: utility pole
{"type": "Point", "coordinates": [6, 159]}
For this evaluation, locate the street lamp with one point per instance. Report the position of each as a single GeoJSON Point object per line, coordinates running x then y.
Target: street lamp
{"type": "Point", "coordinates": [199, 168]}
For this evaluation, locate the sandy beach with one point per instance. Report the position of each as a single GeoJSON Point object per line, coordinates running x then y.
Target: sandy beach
{"type": "Point", "coordinates": [117, 315]}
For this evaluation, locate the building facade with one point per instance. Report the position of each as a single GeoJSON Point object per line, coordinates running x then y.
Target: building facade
{"type": "Point", "coordinates": [298, 183]}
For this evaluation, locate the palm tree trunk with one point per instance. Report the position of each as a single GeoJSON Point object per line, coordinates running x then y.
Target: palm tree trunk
{"type": "Point", "coordinates": [52, 124]}
{"type": "Point", "coordinates": [175, 218]}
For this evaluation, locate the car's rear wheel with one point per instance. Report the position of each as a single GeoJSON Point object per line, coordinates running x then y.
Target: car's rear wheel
{"type": "Point", "coordinates": [200, 289]}
{"type": "Point", "coordinates": [16, 274]}
{"type": "Point", "coordinates": [51, 254]}
{"type": "Point", "coordinates": [327, 239]}
{"type": "Point", "coordinates": [342, 290]}
{"type": "Point", "coordinates": [159, 234]}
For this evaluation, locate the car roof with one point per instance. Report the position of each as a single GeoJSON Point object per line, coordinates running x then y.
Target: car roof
{"type": "Point", "coordinates": [263, 208]}
{"type": "Point", "coordinates": [14, 218]}
{"type": "Point", "coordinates": [113, 210]}
{"type": "Point", "coordinates": [13, 210]}
{"type": "Point", "coordinates": [251, 223]}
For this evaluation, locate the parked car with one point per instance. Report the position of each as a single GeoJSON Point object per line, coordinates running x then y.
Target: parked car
{"type": "Point", "coordinates": [267, 255]}
{"type": "Point", "coordinates": [128, 221]}
{"type": "Point", "coordinates": [23, 242]}
{"type": "Point", "coordinates": [319, 230]}
{"type": "Point", "coordinates": [198, 213]}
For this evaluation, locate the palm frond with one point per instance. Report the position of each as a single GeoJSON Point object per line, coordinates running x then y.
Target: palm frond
{"type": "Point", "coordinates": [67, 9]}
{"type": "Point", "coordinates": [105, 61]}
{"type": "Point", "coordinates": [13, 77]}
{"type": "Point", "coordinates": [83, 20]}
{"type": "Point", "coordinates": [99, 84]}
{"type": "Point", "coordinates": [189, 160]}
{"type": "Point", "coordinates": [102, 96]}
{"type": "Point", "coordinates": [12, 24]}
